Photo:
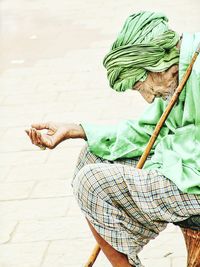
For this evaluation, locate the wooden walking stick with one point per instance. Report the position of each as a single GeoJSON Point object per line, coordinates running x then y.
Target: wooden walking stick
{"type": "Point", "coordinates": [154, 135]}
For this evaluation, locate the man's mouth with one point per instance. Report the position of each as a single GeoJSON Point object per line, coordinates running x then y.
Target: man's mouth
{"type": "Point", "coordinates": [167, 98]}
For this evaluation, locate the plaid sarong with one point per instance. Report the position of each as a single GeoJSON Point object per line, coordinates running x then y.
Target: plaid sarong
{"type": "Point", "coordinates": [127, 206]}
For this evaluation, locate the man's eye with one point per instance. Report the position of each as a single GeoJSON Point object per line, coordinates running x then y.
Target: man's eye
{"type": "Point", "coordinates": [158, 94]}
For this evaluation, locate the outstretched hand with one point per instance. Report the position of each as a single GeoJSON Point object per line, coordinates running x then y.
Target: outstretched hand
{"type": "Point", "coordinates": [56, 133]}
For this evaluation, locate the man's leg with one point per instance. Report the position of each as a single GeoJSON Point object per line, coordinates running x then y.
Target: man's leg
{"type": "Point", "coordinates": [105, 199]}
{"type": "Point", "coordinates": [87, 157]}
{"type": "Point", "coordinates": [128, 207]}
{"type": "Point", "coordinates": [116, 258]}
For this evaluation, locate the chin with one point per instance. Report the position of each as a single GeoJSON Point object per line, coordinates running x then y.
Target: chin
{"type": "Point", "coordinates": [167, 98]}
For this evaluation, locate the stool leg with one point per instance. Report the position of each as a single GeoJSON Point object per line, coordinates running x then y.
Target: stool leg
{"type": "Point", "coordinates": [192, 240]}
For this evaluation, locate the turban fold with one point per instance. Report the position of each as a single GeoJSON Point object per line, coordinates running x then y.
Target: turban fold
{"type": "Point", "coordinates": [144, 44]}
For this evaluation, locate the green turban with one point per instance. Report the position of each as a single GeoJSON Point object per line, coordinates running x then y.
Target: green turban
{"type": "Point", "coordinates": [144, 44]}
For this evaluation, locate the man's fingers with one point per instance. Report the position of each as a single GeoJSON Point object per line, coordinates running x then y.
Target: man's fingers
{"type": "Point", "coordinates": [29, 133]}
{"type": "Point", "coordinates": [51, 132]}
{"type": "Point", "coordinates": [44, 141]}
{"type": "Point", "coordinates": [39, 139]}
{"type": "Point", "coordinates": [40, 126]}
{"type": "Point", "coordinates": [41, 143]}
{"type": "Point", "coordinates": [34, 137]}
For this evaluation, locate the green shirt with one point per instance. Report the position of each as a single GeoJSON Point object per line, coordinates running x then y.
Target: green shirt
{"type": "Point", "coordinates": [176, 152]}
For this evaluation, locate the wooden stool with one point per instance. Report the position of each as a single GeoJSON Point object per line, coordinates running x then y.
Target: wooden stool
{"type": "Point", "coordinates": [191, 231]}
{"type": "Point", "coordinates": [192, 240]}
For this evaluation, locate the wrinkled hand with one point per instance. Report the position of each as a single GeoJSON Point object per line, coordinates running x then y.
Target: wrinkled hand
{"type": "Point", "coordinates": [56, 133]}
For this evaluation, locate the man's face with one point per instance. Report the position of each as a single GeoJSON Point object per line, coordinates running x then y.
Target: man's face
{"type": "Point", "coordinates": [158, 84]}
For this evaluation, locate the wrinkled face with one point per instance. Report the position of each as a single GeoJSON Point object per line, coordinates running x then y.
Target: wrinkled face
{"type": "Point", "coordinates": [158, 84]}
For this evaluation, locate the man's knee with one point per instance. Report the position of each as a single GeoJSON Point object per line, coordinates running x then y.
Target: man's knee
{"type": "Point", "coordinates": [84, 181]}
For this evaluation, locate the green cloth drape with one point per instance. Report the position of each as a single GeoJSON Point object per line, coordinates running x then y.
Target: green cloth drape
{"type": "Point", "coordinates": [144, 44]}
{"type": "Point", "coordinates": [176, 153]}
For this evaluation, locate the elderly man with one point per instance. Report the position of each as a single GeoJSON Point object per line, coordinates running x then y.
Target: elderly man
{"type": "Point", "coordinates": [126, 207]}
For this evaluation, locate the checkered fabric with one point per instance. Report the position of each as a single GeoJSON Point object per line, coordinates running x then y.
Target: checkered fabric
{"type": "Point", "coordinates": [127, 206]}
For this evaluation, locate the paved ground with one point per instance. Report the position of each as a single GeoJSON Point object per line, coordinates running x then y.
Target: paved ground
{"type": "Point", "coordinates": [51, 69]}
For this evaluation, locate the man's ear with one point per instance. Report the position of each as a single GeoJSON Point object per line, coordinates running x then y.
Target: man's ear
{"type": "Point", "coordinates": [137, 86]}
{"type": "Point", "coordinates": [174, 70]}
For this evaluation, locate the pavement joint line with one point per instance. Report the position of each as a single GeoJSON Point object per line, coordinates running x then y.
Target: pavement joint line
{"type": "Point", "coordinates": [33, 188]}
{"type": "Point", "coordinates": [37, 198]}
{"type": "Point", "coordinates": [53, 240]}
{"type": "Point", "coordinates": [36, 179]}
{"type": "Point", "coordinates": [64, 196]}
{"type": "Point", "coordinates": [46, 218]}
{"type": "Point", "coordinates": [5, 177]}
{"type": "Point", "coordinates": [21, 151]}
{"type": "Point", "coordinates": [44, 254]}
{"type": "Point", "coordinates": [68, 209]}
{"type": "Point", "coordinates": [12, 233]}
{"type": "Point", "coordinates": [47, 158]}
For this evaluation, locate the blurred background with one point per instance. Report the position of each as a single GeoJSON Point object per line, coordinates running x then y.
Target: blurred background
{"type": "Point", "coordinates": [51, 69]}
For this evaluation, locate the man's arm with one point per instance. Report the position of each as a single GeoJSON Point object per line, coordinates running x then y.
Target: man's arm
{"type": "Point", "coordinates": [50, 134]}
{"type": "Point", "coordinates": [126, 139]}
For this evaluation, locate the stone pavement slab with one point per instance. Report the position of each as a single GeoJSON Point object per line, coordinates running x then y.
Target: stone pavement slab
{"type": "Point", "coordinates": [22, 255]}
{"type": "Point", "coordinates": [14, 191]}
{"type": "Point", "coordinates": [74, 254]}
{"type": "Point", "coordinates": [8, 227]}
{"type": "Point", "coordinates": [51, 229]}
{"type": "Point", "coordinates": [33, 208]}
{"type": "Point", "coordinates": [40, 172]}
{"type": "Point", "coordinates": [55, 188]}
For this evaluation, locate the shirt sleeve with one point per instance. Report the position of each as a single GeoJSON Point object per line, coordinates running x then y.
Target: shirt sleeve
{"type": "Point", "coordinates": [128, 139]}
{"type": "Point", "coordinates": [112, 142]}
